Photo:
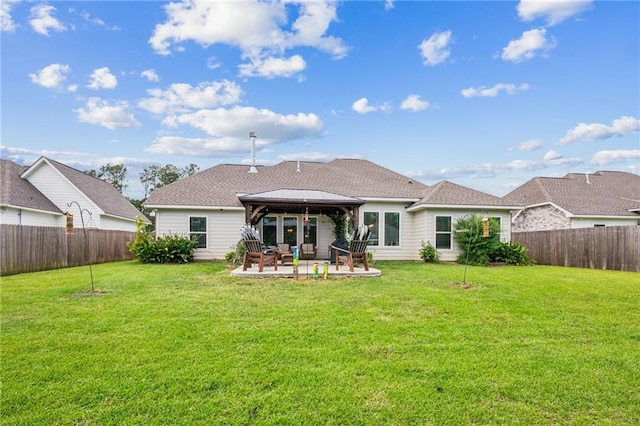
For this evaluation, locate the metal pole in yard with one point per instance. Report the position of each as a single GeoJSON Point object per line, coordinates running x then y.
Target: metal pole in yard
{"type": "Point", "coordinates": [86, 238]}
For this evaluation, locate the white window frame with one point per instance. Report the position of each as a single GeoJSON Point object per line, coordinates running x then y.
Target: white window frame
{"type": "Point", "coordinates": [205, 233]}
{"type": "Point", "coordinates": [449, 232]}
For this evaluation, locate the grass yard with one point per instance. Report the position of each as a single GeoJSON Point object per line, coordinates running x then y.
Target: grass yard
{"type": "Point", "coordinates": [190, 345]}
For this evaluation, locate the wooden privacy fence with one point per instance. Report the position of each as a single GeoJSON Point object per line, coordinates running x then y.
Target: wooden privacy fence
{"type": "Point", "coordinates": [38, 248]}
{"type": "Point", "coordinates": [610, 247]}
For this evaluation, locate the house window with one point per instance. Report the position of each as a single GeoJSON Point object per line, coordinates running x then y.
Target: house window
{"type": "Point", "coordinates": [443, 232]}
{"type": "Point", "coordinates": [392, 229]}
{"type": "Point", "coordinates": [598, 225]}
{"type": "Point", "coordinates": [198, 230]}
{"type": "Point", "coordinates": [270, 230]}
{"type": "Point", "coordinates": [290, 231]}
{"type": "Point", "coordinates": [371, 219]}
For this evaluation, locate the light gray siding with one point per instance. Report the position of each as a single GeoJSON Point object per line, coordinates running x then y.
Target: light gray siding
{"type": "Point", "coordinates": [452, 254]}
{"type": "Point", "coordinates": [61, 192]}
{"type": "Point", "coordinates": [223, 229]}
{"type": "Point", "coordinates": [409, 243]}
{"type": "Point", "coordinates": [28, 217]}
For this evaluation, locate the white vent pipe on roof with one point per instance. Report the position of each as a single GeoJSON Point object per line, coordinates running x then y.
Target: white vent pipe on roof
{"type": "Point", "coordinates": [252, 169]}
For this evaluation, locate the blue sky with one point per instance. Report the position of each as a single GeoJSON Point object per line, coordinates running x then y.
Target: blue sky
{"type": "Point", "coordinates": [483, 94]}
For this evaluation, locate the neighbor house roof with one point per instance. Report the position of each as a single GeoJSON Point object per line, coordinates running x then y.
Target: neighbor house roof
{"type": "Point", "coordinates": [446, 193]}
{"type": "Point", "coordinates": [221, 185]}
{"type": "Point", "coordinates": [102, 193]}
{"type": "Point", "coordinates": [603, 193]}
{"type": "Point", "coordinates": [18, 192]}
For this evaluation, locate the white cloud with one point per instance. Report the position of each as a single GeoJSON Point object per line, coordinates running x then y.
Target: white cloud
{"type": "Point", "coordinates": [52, 76]}
{"type": "Point", "coordinates": [100, 112]}
{"type": "Point", "coordinates": [553, 11]}
{"type": "Point", "coordinates": [97, 21]}
{"type": "Point", "coordinates": [237, 122]}
{"type": "Point", "coordinates": [414, 103]}
{"type": "Point", "coordinates": [492, 92]}
{"type": "Point", "coordinates": [273, 67]}
{"type": "Point", "coordinates": [6, 21]}
{"type": "Point", "coordinates": [257, 28]}
{"type": "Point", "coordinates": [491, 170]}
{"type": "Point", "coordinates": [199, 147]}
{"type": "Point", "coordinates": [361, 106]}
{"type": "Point", "coordinates": [595, 131]}
{"type": "Point", "coordinates": [42, 20]}
{"type": "Point", "coordinates": [388, 5]}
{"type": "Point", "coordinates": [181, 97]}
{"type": "Point", "coordinates": [528, 145]}
{"type": "Point", "coordinates": [552, 155]}
{"type": "Point", "coordinates": [101, 78]}
{"type": "Point", "coordinates": [311, 26]}
{"type": "Point", "coordinates": [530, 44]}
{"type": "Point", "coordinates": [150, 75]}
{"type": "Point", "coordinates": [213, 63]}
{"type": "Point", "coordinates": [435, 49]}
{"type": "Point", "coordinates": [606, 157]}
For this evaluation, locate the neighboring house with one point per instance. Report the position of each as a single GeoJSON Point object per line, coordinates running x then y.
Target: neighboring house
{"type": "Point", "coordinates": [39, 195]}
{"type": "Point", "coordinates": [577, 201]}
{"type": "Point", "coordinates": [291, 202]}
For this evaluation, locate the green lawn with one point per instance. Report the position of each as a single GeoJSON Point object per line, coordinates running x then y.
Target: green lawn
{"type": "Point", "coordinates": [189, 344]}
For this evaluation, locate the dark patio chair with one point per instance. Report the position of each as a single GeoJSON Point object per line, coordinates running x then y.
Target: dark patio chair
{"type": "Point", "coordinates": [256, 251]}
{"type": "Point", "coordinates": [308, 251]}
{"type": "Point", "coordinates": [284, 253]}
{"type": "Point", "coordinates": [357, 251]}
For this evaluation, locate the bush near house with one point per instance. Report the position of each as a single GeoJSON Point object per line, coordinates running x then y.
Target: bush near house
{"type": "Point", "coordinates": [168, 249]}
{"type": "Point", "coordinates": [428, 253]}
{"type": "Point", "coordinates": [478, 249]}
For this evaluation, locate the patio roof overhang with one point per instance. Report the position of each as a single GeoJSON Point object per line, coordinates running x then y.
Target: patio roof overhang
{"type": "Point", "coordinates": [297, 201]}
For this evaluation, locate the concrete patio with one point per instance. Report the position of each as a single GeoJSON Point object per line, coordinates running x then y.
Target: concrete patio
{"type": "Point", "coordinates": [305, 271]}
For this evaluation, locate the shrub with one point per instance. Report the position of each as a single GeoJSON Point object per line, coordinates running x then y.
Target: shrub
{"type": "Point", "coordinates": [168, 249]}
{"type": "Point", "coordinates": [512, 253]}
{"type": "Point", "coordinates": [428, 253]}
{"type": "Point", "coordinates": [236, 255]}
{"type": "Point", "coordinates": [476, 249]}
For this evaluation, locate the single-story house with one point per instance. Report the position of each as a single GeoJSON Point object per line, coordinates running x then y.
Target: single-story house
{"type": "Point", "coordinates": [292, 202]}
{"type": "Point", "coordinates": [42, 194]}
{"type": "Point", "coordinates": [603, 198]}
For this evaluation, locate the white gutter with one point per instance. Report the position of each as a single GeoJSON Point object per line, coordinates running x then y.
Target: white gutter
{"type": "Point", "coordinates": [461, 207]}
{"type": "Point", "coordinates": [182, 207]}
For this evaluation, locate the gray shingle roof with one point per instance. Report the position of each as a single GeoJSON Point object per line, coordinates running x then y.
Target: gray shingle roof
{"type": "Point", "coordinates": [448, 193]}
{"type": "Point", "coordinates": [102, 193]}
{"type": "Point", "coordinates": [603, 193]}
{"type": "Point", "coordinates": [220, 185]}
{"type": "Point", "coordinates": [18, 192]}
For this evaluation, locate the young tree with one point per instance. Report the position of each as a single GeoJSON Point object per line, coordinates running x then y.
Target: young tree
{"type": "Point", "coordinates": [476, 248]}
{"type": "Point", "coordinates": [154, 177]}
{"type": "Point", "coordinates": [115, 174]}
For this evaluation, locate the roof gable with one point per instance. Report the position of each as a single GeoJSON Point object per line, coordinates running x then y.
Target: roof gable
{"type": "Point", "coordinates": [448, 193]}
{"type": "Point", "coordinates": [18, 192]}
{"type": "Point", "coordinates": [101, 193]}
{"type": "Point", "coordinates": [603, 193]}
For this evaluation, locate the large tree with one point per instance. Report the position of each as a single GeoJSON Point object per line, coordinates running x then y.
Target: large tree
{"type": "Point", "coordinates": [115, 174]}
{"type": "Point", "coordinates": [154, 177]}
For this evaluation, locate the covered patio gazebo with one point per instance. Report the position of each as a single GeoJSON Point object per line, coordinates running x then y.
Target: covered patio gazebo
{"type": "Point", "coordinates": [299, 201]}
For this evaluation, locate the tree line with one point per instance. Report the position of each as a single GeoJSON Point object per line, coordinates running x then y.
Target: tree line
{"type": "Point", "coordinates": [151, 178]}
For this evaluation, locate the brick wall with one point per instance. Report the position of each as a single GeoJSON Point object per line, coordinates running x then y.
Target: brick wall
{"type": "Point", "coordinates": [540, 219]}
